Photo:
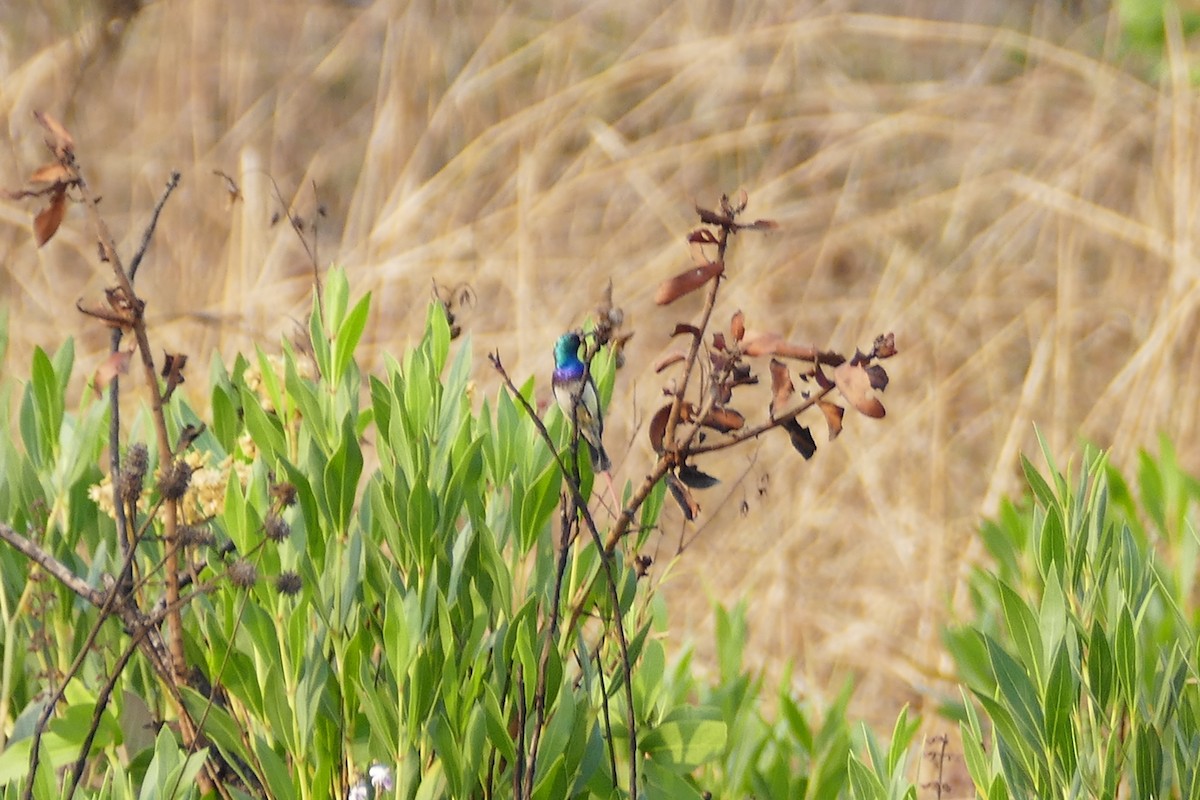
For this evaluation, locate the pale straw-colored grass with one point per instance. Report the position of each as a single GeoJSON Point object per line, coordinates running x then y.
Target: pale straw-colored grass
{"type": "Point", "coordinates": [990, 185]}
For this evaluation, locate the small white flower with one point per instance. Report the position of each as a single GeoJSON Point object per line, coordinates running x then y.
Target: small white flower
{"type": "Point", "coordinates": [381, 777]}
{"type": "Point", "coordinates": [358, 791]}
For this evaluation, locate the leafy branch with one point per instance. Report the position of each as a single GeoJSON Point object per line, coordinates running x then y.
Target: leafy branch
{"type": "Point", "coordinates": [124, 313]}
{"type": "Point", "coordinates": [699, 419]}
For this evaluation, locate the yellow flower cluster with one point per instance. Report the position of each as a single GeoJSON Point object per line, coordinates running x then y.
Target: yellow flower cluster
{"type": "Point", "coordinates": [205, 495]}
{"type": "Point", "coordinates": [253, 376]}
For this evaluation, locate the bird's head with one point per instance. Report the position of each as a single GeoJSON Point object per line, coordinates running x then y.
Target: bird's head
{"type": "Point", "coordinates": [566, 349]}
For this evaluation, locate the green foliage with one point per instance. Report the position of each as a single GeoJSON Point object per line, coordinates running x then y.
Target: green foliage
{"type": "Point", "coordinates": [1144, 25]}
{"type": "Point", "coordinates": [406, 610]}
{"type": "Point", "coordinates": [1082, 654]}
{"type": "Point", "coordinates": [405, 600]}
{"type": "Point", "coordinates": [413, 607]}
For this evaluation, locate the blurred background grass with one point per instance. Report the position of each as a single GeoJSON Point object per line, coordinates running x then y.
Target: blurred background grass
{"type": "Point", "coordinates": [1001, 183]}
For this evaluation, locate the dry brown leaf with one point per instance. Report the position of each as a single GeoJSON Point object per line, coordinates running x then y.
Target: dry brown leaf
{"type": "Point", "coordinates": [800, 351]}
{"type": "Point", "coordinates": [683, 496]}
{"type": "Point", "coordinates": [113, 319]}
{"type": "Point", "coordinates": [760, 343]}
{"type": "Point", "coordinates": [801, 437]}
{"type": "Point", "coordinates": [668, 360]}
{"type": "Point", "coordinates": [60, 141]}
{"type": "Point", "coordinates": [725, 420]}
{"type": "Point", "coordinates": [737, 204]}
{"type": "Point", "coordinates": [879, 377]}
{"type": "Point", "coordinates": [737, 326]}
{"type": "Point", "coordinates": [833, 415]}
{"type": "Point", "coordinates": [695, 478]}
{"type": "Point", "coordinates": [885, 346]}
{"type": "Point", "coordinates": [821, 378]}
{"type": "Point", "coordinates": [50, 173]}
{"type": "Point", "coordinates": [713, 218]}
{"type": "Point", "coordinates": [116, 364]}
{"type": "Point", "coordinates": [688, 281]}
{"type": "Point", "coordinates": [658, 427]}
{"type": "Point", "coordinates": [782, 387]}
{"type": "Point", "coordinates": [189, 434]}
{"type": "Point", "coordinates": [855, 385]}
{"type": "Point", "coordinates": [46, 223]}
{"type": "Point", "coordinates": [173, 364]}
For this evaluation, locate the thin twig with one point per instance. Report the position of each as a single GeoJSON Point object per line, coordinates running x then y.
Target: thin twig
{"type": "Point", "coordinates": [759, 430]}
{"type": "Point", "coordinates": [612, 751]}
{"type": "Point", "coordinates": [171, 518]}
{"type": "Point", "coordinates": [605, 562]}
{"type": "Point", "coordinates": [310, 251]}
{"type": "Point", "coordinates": [105, 601]}
{"type": "Point", "coordinates": [519, 762]}
{"type": "Point", "coordinates": [52, 565]}
{"type": "Point", "coordinates": [148, 233]}
{"type": "Point", "coordinates": [125, 579]}
{"type": "Point", "coordinates": [710, 301]}
{"type": "Point", "coordinates": [101, 704]}
{"type": "Point", "coordinates": [567, 517]}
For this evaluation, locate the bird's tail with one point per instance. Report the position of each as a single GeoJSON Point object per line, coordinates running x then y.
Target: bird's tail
{"type": "Point", "coordinates": [600, 460]}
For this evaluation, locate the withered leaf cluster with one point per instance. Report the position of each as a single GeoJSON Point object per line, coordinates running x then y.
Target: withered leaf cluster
{"type": "Point", "coordinates": [702, 415]}
{"type": "Point", "coordinates": [122, 310]}
{"type": "Point", "coordinates": [51, 180]}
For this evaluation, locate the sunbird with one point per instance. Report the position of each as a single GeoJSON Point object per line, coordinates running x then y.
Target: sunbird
{"type": "Point", "coordinates": [576, 396]}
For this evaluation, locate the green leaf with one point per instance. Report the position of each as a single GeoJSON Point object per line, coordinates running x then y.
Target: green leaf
{"type": "Point", "coordinates": [497, 725]}
{"type": "Point", "coordinates": [1019, 694]}
{"type": "Point", "coordinates": [1148, 762]}
{"type": "Point", "coordinates": [1150, 480]}
{"type": "Point", "coordinates": [347, 337]}
{"type": "Point", "coordinates": [1125, 656]}
{"type": "Point", "coordinates": [902, 736]}
{"type": "Point", "coordinates": [448, 750]}
{"type": "Point", "coordinates": [320, 341]}
{"type": "Point", "coordinates": [1061, 694]}
{"type": "Point", "coordinates": [47, 402]}
{"type": "Point", "coordinates": [341, 477]}
{"type": "Point", "coordinates": [336, 298]}
{"type": "Point", "coordinates": [978, 765]}
{"type": "Point", "coordinates": [864, 784]}
{"type": "Point", "coordinates": [1023, 628]}
{"type": "Point", "coordinates": [690, 738]}
{"type": "Point", "coordinates": [969, 651]}
{"type": "Point", "coordinates": [226, 425]}
{"type": "Point", "coordinates": [660, 782]}
{"type": "Point", "coordinates": [1037, 483]}
{"type": "Point", "coordinates": [312, 412]}
{"type": "Point", "coordinates": [1053, 618]}
{"type": "Point", "coordinates": [1100, 665]}
{"type": "Point", "coordinates": [265, 429]}
{"type": "Point", "coordinates": [1052, 552]}
{"type": "Point", "coordinates": [219, 726]}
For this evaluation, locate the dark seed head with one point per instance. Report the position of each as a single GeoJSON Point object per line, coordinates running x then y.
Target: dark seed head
{"type": "Point", "coordinates": [276, 528]}
{"type": "Point", "coordinates": [284, 493]}
{"type": "Point", "coordinates": [174, 483]}
{"type": "Point", "coordinates": [242, 573]}
{"type": "Point", "coordinates": [133, 473]}
{"type": "Point", "coordinates": [196, 536]}
{"type": "Point", "coordinates": [289, 583]}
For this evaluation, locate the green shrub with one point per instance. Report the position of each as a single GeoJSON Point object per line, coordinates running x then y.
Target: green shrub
{"type": "Point", "coordinates": [342, 587]}
{"type": "Point", "coordinates": [1080, 666]}
{"type": "Point", "coordinates": [344, 617]}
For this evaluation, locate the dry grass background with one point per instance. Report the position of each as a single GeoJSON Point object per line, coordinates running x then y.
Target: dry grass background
{"type": "Point", "coordinates": [978, 176]}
